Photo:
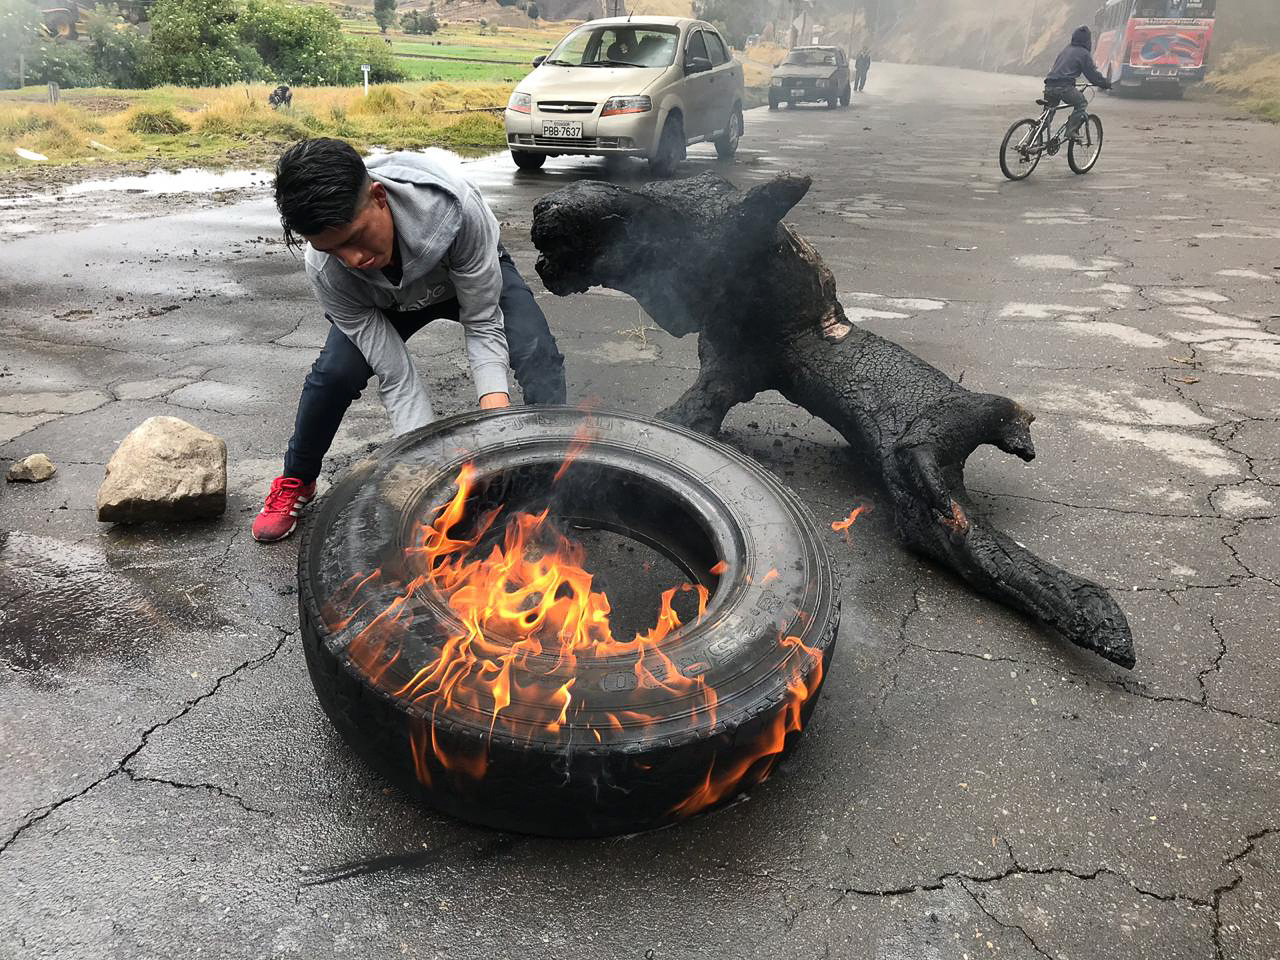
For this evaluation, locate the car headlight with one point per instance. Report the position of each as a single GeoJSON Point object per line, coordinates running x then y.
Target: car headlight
{"type": "Point", "coordinates": [619, 105]}
{"type": "Point", "coordinates": [823, 83]}
{"type": "Point", "coordinates": [777, 81]}
{"type": "Point", "coordinates": [520, 102]}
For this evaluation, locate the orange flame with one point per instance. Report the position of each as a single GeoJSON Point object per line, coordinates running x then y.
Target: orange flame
{"type": "Point", "coordinates": [724, 780]}
{"type": "Point", "coordinates": [842, 526]}
{"type": "Point", "coordinates": [527, 615]}
{"type": "Point", "coordinates": [582, 438]}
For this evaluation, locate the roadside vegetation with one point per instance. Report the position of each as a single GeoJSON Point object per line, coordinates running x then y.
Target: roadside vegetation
{"type": "Point", "coordinates": [1253, 75]}
{"type": "Point", "coordinates": [180, 126]}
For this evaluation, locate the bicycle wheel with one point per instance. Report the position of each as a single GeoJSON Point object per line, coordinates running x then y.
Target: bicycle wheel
{"type": "Point", "coordinates": [1016, 160]}
{"type": "Point", "coordinates": [1082, 156]}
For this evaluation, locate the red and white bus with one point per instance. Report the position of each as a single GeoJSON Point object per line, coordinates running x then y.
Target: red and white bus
{"type": "Point", "coordinates": [1158, 45]}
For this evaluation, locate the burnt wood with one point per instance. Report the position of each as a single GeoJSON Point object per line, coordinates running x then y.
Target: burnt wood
{"type": "Point", "coordinates": [702, 257]}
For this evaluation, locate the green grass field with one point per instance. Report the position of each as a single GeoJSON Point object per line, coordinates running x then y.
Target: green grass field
{"type": "Point", "coordinates": [513, 47]}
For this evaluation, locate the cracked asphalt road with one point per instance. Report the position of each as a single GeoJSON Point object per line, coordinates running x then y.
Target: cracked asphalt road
{"type": "Point", "coordinates": [969, 787]}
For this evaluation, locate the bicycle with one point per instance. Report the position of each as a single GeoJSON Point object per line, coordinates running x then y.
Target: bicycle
{"type": "Point", "coordinates": [1027, 150]}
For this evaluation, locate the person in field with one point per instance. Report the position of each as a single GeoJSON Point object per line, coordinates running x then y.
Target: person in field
{"type": "Point", "coordinates": [392, 244]}
{"type": "Point", "coordinates": [1060, 84]}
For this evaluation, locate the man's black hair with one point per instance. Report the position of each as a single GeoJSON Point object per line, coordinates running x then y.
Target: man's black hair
{"type": "Point", "coordinates": [321, 183]}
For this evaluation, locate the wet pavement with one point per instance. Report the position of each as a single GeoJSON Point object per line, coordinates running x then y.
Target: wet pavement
{"type": "Point", "coordinates": [969, 786]}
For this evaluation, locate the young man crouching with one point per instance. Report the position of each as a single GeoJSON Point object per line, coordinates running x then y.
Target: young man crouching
{"type": "Point", "coordinates": [394, 243]}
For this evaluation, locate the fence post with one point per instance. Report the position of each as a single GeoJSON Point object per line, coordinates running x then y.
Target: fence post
{"type": "Point", "coordinates": [54, 91]}
{"type": "Point", "coordinates": [22, 71]}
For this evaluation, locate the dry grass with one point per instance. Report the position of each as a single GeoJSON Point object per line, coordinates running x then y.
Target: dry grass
{"type": "Point", "coordinates": [217, 126]}
{"type": "Point", "coordinates": [1253, 75]}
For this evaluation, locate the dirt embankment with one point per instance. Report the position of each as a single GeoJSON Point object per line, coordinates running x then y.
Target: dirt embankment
{"type": "Point", "coordinates": [1019, 36]}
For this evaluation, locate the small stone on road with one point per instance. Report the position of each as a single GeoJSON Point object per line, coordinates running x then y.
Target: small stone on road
{"type": "Point", "coordinates": [36, 468]}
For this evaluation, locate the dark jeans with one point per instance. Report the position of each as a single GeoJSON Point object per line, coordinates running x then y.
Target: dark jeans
{"type": "Point", "coordinates": [1071, 95]}
{"type": "Point", "coordinates": [860, 80]}
{"type": "Point", "coordinates": [341, 372]}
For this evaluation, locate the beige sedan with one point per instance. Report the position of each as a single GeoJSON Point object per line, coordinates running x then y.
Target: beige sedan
{"type": "Point", "coordinates": [642, 87]}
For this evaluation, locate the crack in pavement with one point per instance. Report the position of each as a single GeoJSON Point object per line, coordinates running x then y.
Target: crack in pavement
{"type": "Point", "coordinates": [1128, 687]}
{"type": "Point", "coordinates": [210, 787]}
{"type": "Point", "coordinates": [40, 814]}
{"type": "Point", "coordinates": [1099, 507]}
{"type": "Point", "coordinates": [888, 687]}
{"type": "Point", "coordinates": [1250, 841]}
{"type": "Point", "coordinates": [1000, 923]}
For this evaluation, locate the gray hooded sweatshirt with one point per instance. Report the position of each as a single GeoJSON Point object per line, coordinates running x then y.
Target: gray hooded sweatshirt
{"type": "Point", "coordinates": [448, 240]}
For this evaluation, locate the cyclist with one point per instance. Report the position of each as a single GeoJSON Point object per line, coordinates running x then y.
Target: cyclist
{"type": "Point", "coordinates": [1060, 84]}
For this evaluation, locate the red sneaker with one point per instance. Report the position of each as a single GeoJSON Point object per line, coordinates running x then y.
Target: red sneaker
{"type": "Point", "coordinates": [280, 515]}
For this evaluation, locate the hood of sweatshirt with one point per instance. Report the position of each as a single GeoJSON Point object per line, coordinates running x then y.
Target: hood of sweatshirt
{"type": "Point", "coordinates": [426, 201]}
{"type": "Point", "coordinates": [1083, 37]}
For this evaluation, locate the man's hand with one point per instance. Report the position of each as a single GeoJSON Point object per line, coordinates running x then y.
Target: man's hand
{"type": "Point", "coordinates": [494, 401]}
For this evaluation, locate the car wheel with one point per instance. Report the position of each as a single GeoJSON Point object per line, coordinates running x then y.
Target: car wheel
{"type": "Point", "coordinates": [635, 745]}
{"type": "Point", "coordinates": [727, 145]}
{"type": "Point", "coordinates": [528, 161]}
{"type": "Point", "coordinates": [671, 149]}
{"type": "Point", "coordinates": [833, 101]}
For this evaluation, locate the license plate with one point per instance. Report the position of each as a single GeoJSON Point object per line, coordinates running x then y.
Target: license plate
{"type": "Point", "coordinates": [564, 130]}
{"type": "Point", "coordinates": [797, 93]}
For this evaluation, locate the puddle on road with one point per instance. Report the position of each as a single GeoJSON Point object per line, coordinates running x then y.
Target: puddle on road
{"type": "Point", "coordinates": [71, 602]}
{"type": "Point", "coordinates": [190, 180]}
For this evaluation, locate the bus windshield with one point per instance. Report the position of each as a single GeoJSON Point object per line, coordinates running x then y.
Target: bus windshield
{"type": "Point", "coordinates": [1163, 9]}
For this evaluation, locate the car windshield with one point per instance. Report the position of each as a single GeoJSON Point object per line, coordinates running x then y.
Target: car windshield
{"type": "Point", "coordinates": [626, 45]}
{"type": "Point", "coordinates": [811, 58]}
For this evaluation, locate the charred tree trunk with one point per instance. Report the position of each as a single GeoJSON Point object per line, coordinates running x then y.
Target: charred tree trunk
{"type": "Point", "coordinates": [701, 257]}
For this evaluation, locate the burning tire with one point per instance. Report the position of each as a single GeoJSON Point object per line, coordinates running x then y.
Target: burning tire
{"type": "Point", "coordinates": [458, 642]}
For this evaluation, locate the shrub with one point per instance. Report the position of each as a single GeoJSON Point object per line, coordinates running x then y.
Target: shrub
{"type": "Point", "coordinates": [380, 100]}
{"type": "Point", "coordinates": [63, 62]}
{"type": "Point", "coordinates": [163, 121]}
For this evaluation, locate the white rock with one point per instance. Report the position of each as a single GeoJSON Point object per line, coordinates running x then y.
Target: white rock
{"type": "Point", "coordinates": [166, 469]}
{"type": "Point", "coordinates": [36, 468]}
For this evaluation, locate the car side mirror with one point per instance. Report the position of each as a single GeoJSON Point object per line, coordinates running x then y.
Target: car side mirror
{"type": "Point", "coordinates": [697, 65]}
{"type": "Point", "coordinates": [537, 61]}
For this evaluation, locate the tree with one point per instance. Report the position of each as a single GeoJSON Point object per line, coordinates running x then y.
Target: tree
{"type": "Point", "coordinates": [415, 21]}
{"type": "Point", "coordinates": [117, 49]}
{"type": "Point", "coordinates": [197, 43]}
{"type": "Point", "coordinates": [384, 12]}
{"type": "Point", "coordinates": [17, 33]}
{"type": "Point", "coordinates": [300, 45]}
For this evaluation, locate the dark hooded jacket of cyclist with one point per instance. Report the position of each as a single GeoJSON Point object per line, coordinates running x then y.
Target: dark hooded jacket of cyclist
{"type": "Point", "coordinates": [1060, 84]}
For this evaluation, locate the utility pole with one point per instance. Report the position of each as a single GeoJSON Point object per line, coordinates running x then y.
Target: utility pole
{"type": "Point", "coordinates": [22, 71]}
